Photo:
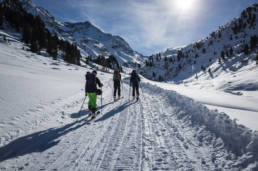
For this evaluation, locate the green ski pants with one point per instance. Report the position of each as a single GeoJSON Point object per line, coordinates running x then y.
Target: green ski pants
{"type": "Point", "coordinates": [92, 104]}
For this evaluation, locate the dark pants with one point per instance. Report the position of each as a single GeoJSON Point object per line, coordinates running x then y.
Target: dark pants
{"type": "Point", "coordinates": [117, 88]}
{"type": "Point", "coordinates": [136, 88]}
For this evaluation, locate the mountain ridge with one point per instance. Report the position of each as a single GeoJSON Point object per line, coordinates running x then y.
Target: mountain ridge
{"type": "Point", "coordinates": [96, 43]}
{"type": "Point", "coordinates": [224, 49]}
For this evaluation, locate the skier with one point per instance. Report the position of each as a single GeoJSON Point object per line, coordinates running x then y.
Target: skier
{"type": "Point", "coordinates": [117, 84]}
{"type": "Point", "coordinates": [134, 82]}
{"type": "Point", "coordinates": [91, 90]}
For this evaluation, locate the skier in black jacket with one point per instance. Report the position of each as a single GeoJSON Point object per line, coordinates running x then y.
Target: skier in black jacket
{"type": "Point", "coordinates": [134, 82]}
{"type": "Point", "coordinates": [117, 84]}
{"type": "Point", "coordinates": [91, 90]}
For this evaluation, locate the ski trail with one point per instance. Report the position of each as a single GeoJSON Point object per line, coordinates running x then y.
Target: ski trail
{"type": "Point", "coordinates": [157, 153]}
{"type": "Point", "coordinates": [146, 135]}
{"type": "Point", "coordinates": [129, 157]}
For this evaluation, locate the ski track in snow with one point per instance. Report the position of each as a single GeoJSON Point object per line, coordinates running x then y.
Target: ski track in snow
{"type": "Point", "coordinates": [146, 135]}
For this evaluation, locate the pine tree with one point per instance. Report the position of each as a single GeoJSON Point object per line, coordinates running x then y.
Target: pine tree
{"type": "Point", "coordinates": [222, 54]}
{"type": "Point", "coordinates": [246, 49]}
{"type": "Point", "coordinates": [153, 74]}
{"type": "Point", "coordinates": [198, 45]}
{"type": "Point", "coordinates": [42, 38]}
{"type": "Point", "coordinates": [166, 65]}
{"type": "Point", "coordinates": [1, 17]}
{"type": "Point", "coordinates": [179, 67]}
{"type": "Point", "coordinates": [179, 55]}
{"type": "Point", "coordinates": [257, 58]}
{"type": "Point", "coordinates": [171, 60]}
{"type": "Point", "coordinates": [4, 38]}
{"type": "Point", "coordinates": [253, 42]}
{"type": "Point", "coordinates": [26, 33]}
{"type": "Point", "coordinates": [34, 47]}
{"type": "Point", "coordinates": [52, 48]}
{"type": "Point", "coordinates": [161, 78]}
{"type": "Point", "coordinates": [146, 63]}
{"type": "Point", "coordinates": [203, 50]}
{"type": "Point", "coordinates": [219, 34]}
{"type": "Point", "coordinates": [219, 61]}
{"type": "Point", "coordinates": [231, 51]}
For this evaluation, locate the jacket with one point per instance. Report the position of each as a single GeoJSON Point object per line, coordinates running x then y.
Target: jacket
{"type": "Point", "coordinates": [91, 83]}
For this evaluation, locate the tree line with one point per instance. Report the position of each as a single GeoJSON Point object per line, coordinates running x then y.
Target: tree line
{"type": "Point", "coordinates": [35, 34]}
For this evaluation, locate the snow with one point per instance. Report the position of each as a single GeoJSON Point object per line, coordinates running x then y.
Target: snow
{"type": "Point", "coordinates": [229, 86]}
{"type": "Point", "coordinates": [243, 108]}
{"type": "Point", "coordinates": [42, 127]}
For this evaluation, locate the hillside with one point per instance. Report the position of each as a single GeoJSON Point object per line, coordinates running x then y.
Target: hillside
{"type": "Point", "coordinates": [230, 50]}
{"type": "Point", "coordinates": [206, 121]}
{"type": "Point", "coordinates": [45, 126]}
{"type": "Point", "coordinates": [90, 39]}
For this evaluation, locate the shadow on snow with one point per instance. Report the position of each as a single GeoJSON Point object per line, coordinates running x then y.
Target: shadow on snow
{"type": "Point", "coordinates": [43, 140]}
{"type": "Point", "coordinates": [114, 111]}
{"type": "Point", "coordinates": [37, 142]}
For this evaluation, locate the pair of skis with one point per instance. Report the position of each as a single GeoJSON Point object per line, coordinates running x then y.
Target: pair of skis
{"type": "Point", "coordinates": [117, 99]}
{"type": "Point", "coordinates": [135, 100]}
{"type": "Point", "coordinates": [92, 116]}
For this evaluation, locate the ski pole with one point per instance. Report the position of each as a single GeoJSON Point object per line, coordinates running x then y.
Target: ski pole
{"type": "Point", "coordinates": [82, 104]}
{"type": "Point", "coordinates": [129, 91]}
{"type": "Point", "coordinates": [123, 88]}
{"type": "Point", "coordinates": [113, 88]}
{"type": "Point", "coordinates": [101, 101]}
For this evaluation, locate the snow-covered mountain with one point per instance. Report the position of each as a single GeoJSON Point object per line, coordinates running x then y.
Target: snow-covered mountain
{"type": "Point", "coordinates": [229, 50]}
{"type": "Point", "coordinates": [90, 39]}
{"type": "Point", "coordinates": [45, 124]}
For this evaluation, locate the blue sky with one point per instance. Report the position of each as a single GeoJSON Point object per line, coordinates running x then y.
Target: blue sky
{"type": "Point", "coordinates": [150, 26]}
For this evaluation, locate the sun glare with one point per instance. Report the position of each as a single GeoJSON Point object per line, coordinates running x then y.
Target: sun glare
{"type": "Point", "coordinates": [184, 6]}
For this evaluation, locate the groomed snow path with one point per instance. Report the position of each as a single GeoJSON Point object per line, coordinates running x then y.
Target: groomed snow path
{"type": "Point", "coordinates": [147, 135]}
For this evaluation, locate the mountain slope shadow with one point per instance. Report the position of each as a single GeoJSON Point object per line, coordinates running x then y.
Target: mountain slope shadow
{"type": "Point", "coordinates": [114, 111]}
{"type": "Point", "coordinates": [37, 142]}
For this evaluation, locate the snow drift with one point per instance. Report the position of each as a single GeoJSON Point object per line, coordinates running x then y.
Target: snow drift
{"type": "Point", "coordinates": [236, 138]}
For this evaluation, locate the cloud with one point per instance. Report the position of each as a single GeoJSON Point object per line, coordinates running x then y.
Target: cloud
{"type": "Point", "coordinates": [158, 23]}
{"type": "Point", "coordinates": [145, 24]}
{"type": "Point", "coordinates": [150, 25]}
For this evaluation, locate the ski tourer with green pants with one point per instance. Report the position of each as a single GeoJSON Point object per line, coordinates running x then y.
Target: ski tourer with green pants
{"type": "Point", "coordinates": [91, 91]}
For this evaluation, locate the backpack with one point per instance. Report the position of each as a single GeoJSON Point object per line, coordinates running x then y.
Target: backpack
{"type": "Point", "coordinates": [116, 76]}
{"type": "Point", "coordinates": [90, 82]}
{"type": "Point", "coordinates": [135, 78]}
{"type": "Point", "coordinates": [90, 77]}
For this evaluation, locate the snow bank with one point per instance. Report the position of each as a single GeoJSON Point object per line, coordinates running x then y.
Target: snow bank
{"type": "Point", "coordinates": [238, 139]}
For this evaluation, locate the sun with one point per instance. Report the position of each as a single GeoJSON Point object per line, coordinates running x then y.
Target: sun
{"type": "Point", "coordinates": [184, 6]}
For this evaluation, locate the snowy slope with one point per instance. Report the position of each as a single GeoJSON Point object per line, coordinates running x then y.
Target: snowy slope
{"type": "Point", "coordinates": [91, 40]}
{"type": "Point", "coordinates": [42, 128]}
{"type": "Point", "coordinates": [229, 85]}
{"type": "Point", "coordinates": [203, 59]}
